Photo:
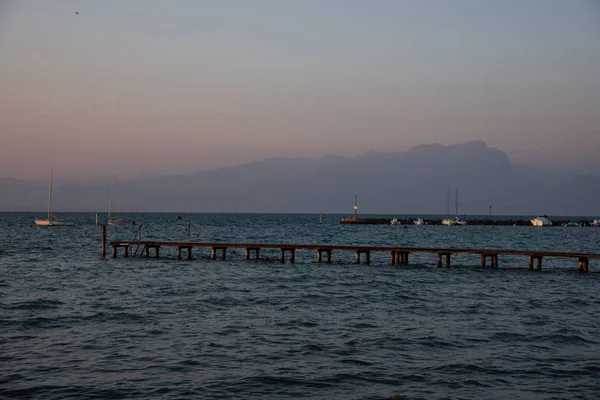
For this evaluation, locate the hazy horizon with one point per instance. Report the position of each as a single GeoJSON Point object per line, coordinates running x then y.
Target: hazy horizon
{"type": "Point", "coordinates": [126, 88]}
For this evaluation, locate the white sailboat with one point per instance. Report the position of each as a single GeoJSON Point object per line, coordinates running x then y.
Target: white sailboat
{"type": "Point", "coordinates": [456, 220]}
{"type": "Point", "coordinates": [112, 220]}
{"type": "Point", "coordinates": [51, 220]}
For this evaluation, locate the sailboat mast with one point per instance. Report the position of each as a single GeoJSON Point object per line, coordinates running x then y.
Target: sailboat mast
{"type": "Point", "coordinates": [448, 203]}
{"type": "Point", "coordinates": [456, 205]}
{"type": "Point", "coordinates": [50, 195]}
{"type": "Point", "coordinates": [110, 196]}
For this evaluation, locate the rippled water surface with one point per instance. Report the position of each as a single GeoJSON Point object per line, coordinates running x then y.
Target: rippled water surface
{"type": "Point", "coordinates": [73, 325]}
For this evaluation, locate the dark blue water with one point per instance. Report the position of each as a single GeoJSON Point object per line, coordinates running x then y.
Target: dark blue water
{"type": "Point", "coordinates": [73, 325]}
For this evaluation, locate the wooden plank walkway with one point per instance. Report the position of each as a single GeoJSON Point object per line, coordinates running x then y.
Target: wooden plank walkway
{"type": "Point", "coordinates": [398, 255]}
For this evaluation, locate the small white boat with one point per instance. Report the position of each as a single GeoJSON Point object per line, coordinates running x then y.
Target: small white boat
{"type": "Point", "coordinates": [395, 221]}
{"type": "Point", "coordinates": [596, 222]}
{"type": "Point", "coordinates": [51, 220]}
{"type": "Point", "coordinates": [541, 221]}
{"type": "Point", "coordinates": [419, 221]}
{"type": "Point", "coordinates": [455, 221]}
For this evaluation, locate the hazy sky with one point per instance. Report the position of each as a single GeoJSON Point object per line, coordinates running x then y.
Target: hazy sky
{"type": "Point", "coordinates": [127, 87]}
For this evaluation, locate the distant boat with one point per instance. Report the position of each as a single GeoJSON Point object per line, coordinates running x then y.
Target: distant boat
{"type": "Point", "coordinates": [52, 220]}
{"type": "Point", "coordinates": [571, 224]}
{"type": "Point", "coordinates": [455, 221]}
{"type": "Point", "coordinates": [541, 221]}
{"type": "Point", "coordinates": [419, 221]}
{"type": "Point", "coordinates": [596, 222]}
{"type": "Point", "coordinates": [112, 220]}
{"type": "Point", "coordinates": [395, 221]}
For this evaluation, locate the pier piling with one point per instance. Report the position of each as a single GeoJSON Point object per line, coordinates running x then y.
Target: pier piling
{"type": "Point", "coordinates": [103, 231]}
{"type": "Point", "coordinates": [582, 264]}
{"type": "Point", "coordinates": [367, 254]}
{"type": "Point", "coordinates": [404, 257]}
{"type": "Point", "coordinates": [292, 255]}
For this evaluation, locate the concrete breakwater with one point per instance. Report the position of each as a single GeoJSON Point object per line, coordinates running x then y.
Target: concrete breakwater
{"type": "Point", "coordinates": [434, 221]}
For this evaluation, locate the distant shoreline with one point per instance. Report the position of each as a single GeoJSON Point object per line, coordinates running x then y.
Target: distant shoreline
{"type": "Point", "coordinates": [470, 221]}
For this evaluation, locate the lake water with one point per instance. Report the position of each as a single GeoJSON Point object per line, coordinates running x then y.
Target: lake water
{"type": "Point", "coordinates": [75, 326]}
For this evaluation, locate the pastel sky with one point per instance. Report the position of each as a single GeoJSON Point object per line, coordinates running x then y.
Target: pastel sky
{"type": "Point", "coordinates": [128, 87]}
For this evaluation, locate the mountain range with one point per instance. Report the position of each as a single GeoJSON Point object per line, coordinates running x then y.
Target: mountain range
{"type": "Point", "coordinates": [412, 182]}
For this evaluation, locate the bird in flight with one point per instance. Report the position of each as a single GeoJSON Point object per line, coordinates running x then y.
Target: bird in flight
{"type": "Point", "coordinates": [76, 12]}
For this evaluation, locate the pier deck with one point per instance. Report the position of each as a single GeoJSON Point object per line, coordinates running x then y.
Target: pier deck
{"type": "Point", "coordinates": [398, 255]}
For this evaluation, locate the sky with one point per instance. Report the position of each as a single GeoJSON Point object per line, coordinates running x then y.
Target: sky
{"type": "Point", "coordinates": [93, 88]}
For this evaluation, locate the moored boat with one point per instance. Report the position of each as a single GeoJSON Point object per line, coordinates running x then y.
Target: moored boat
{"type": "Point", "coordinates": [51, 220]}
{"type": "Point", "coordinates": [455, 221]}
{"type": "Point", "coordinates": [541, 221]}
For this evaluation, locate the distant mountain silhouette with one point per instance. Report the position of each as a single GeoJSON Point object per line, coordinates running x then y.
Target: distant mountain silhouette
{"type": "Point", "coordinates": [411, 182]}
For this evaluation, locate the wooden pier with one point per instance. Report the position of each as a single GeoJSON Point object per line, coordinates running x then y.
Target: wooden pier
{"type": "Point", "coordinates": [398, 255]}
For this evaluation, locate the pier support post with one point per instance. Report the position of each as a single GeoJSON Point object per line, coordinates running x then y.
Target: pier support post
{"type": "Point", "coordinates": [328, 256]}
{"type": "Point", "coordinates": [114, 252]}
{"type": "Point", "coordinates": [224, 253]}
{"type": "Point", "coordinates": [189, 256]}
{"type": "Point", "coordinates": [247, 253]}
{"type": "Point", "coordinates": [582, 265]}
{"type": "Point", "coordinates": [530, 263]}
{"type": "Point", "coordinates": [103, 231]}
{"type": "Point", "coordinates": [125, 251]}
{"type": "Point", "coordinates": [483, 257]}
{"type": "Point", "coordinates": [367, 254]}
{"type": "Point", "coordinates": [448, 260]}
{"type": "Point", "coordinates": [405, 257]}
{"type": "Point", "coordinates": [156, 251]}
{"type": "Point", "coordinates": [318, 255]}
{"type": "Point", "coordinates": [439, 260]}
{"type": "Point", "coordinates": [538, 265]}
{"type": "Point", "coordinates": [292, 255]}
{"type": "Point", "coordinates": [178, 253]}
{"type": "Point", "coordinates": [392, 258]}
{"type": "Point", "coordinates": [146, 251]}
{"type": "Point", "coordinates": [494, 260]}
